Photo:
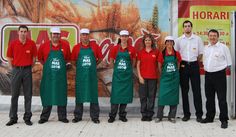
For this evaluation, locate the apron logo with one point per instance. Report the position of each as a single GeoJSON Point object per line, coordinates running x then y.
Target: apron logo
{"type": "Point", "coordinates": [55, 64]}
{"type": "Point", "coordinates": [122, 65]}
{"type": "Point", "coordinates": [86, 62]}
{"type": "Point", "coordinates": [170, 67]}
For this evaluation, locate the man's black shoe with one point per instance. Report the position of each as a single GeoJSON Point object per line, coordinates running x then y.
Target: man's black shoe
{"type": "Point", "coordinates": [144, 118]}
{"type": "Point", "coordinates": [96, 121]}
{"type": "Point", "coordinates": [207, 120]}
{"type": "Point", "coordinates": [185, 118]}
{"type": "Point", "coordinates": [75, 120]}
{"type": "Point", "coordinates": [199, 119]}
{"type": "Point", "coordinates": [64, 120]}
{"type": "Point", "coordinates": [41, 121]}
{"type": "Point", "coordinates": [224, 124]}
{"type": "Point", "coordinates": [28, 122]}
{"type": "Point", "coordinates": [149, 119]}
{"type": "Point", "coordinates": [111, 120]}
{"type": "Point", "coordinates": [11, 122]}
{"type": "Point", "coordinates": [123, 119]}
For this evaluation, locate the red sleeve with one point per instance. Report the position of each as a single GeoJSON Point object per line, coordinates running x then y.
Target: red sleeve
{"type": "Point", "coordinates": [157, 53]}
{"type": "Point", "coordinates": [40, 54]}
{"type": "Point", "coordinates": [10, 50]}
{"type": "Point", "coordinates": [34, 49]}
{"type": "Point", "coordinates": [133, 53]}
{"type": "Point", "coordinates": [160, 58]}
{"type": "Point", "coordinates": [99, 52]}
{"type": "Point", "coordinates": [67, 53]}
{"type": "Point", "coordinates": [178, 57]}
{"type": "Point", "coordinates": [139, 55]}
{"type": "Point", "coordinates": [112, 53]}
{"type": "Point", "coordinates": [74, 53]}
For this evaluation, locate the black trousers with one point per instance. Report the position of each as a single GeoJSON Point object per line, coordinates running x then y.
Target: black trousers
{"type": "Point", "coordinates": [61, 112]}
{"type": "Point", "coordinates": [172, 112]}
{"type": "Point", "coordinates": [190, 71]}
{"type": "Point", "coordinates": [147, 95]}
{"type": "Point", "coordinates": [21, 76]}
{"type": "Point", "coordinates": [94, 110]}
{"type": "Point", "coordinates": [114, 109]}
{"type": "Point", "coordinates": [215, 82]}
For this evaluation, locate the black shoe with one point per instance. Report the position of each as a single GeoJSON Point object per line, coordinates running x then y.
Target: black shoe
{"type": "Point", "coordinates": [158, 120]}
{"type": "Point", "coordinates": [96, 121]}
{"type": "Point", "coordinates": [11, 122]}
{"type": "Point", "coordinates": [185, 118]}
{"type": "Point", "coordinates": [28, 122]}
{"type": "Point", "coordinates": [64, 120]}
{"type": "Point", "coordinates": [111, 120]}
{"type": "Point", "coordinates": [149, 118]}
{"type": "Point", "coordinates": [207, 120]}
{"type": "Point", "coordinates": [199, 119]}
{"type": "Point", "coordinates": [123, 119]}
{"type": "Point", "coordinates": [75, 120]}
{"type": "Point", "coordinates": [144, 118]}
{"type": "Point", "coordinates": [41, 121]}
{"type": "Point", "coordinates": [172, 120]}
{"type": "Point", "coordinates": [224, 124]}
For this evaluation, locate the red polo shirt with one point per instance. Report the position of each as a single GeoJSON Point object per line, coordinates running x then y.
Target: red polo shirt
{"type": "Point", "coordinates": [114, 51]}
{"type": "Point", "coordinates": [95, 48]}
{"type": "Point", "coordinates": [22, 54]}
{"type": "Point", "coordinates": [148, 63]}
{"type": "Point", "coordinates": [44, 50]}
{"type": "Point", "coordinates": [161, 59]}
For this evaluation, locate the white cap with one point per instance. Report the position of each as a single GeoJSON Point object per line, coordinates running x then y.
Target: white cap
{"type": "Point", "coordinates": [124, 32]}
{"type": "Point", "coordinates": [84, 31]}
{"type": "Point", "coordinates": [55, 30]}
{"type": "Point", "coordinates": [169, 38]}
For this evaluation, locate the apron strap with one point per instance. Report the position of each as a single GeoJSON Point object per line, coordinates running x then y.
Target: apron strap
{"type": "Point", "coordinates": [51, 46]}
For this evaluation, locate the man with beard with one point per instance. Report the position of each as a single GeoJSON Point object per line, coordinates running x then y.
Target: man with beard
{"type": "Point", "coordinates": [54, 55]}
{"type": "Point", "coordinates": [190, 47]}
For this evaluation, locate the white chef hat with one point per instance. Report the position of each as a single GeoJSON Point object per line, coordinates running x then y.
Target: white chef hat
{"type": "Point", "coordinates": [84, 31]}
{"type": "Point", "coordinates": [124, 32]}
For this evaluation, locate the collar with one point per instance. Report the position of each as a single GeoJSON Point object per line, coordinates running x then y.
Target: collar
{"type": "Point", "coordinates": [191, 37]}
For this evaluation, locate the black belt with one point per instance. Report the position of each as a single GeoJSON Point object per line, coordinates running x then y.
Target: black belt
{"type": "Point", "coordinates": [21, 67]}
{"type": "Point", "coordinates": [220, 71]}
{"type": "Point", "coordinates": [189, 63]}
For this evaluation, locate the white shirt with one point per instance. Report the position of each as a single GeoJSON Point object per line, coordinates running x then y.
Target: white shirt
{"type": "Point", "coordinates": [189, 48]}
{"type": "Point", "coordinates": [216, 57]}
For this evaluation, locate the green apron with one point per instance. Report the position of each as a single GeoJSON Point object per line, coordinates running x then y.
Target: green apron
{"type": "Point", "coordinates": [169, 83]}
{"type": "Point", "coordinates": [122, 80]}
{"type": "Point", "coordinates": [86, 77]}
{"type": "Point", "coordinates": [53, 86]}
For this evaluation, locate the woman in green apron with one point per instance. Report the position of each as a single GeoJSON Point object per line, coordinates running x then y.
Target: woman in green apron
{"type": "Point", "coordinates": [53, 86]}
{"type": "Point", "coordinates": [168, 63]}
{"type": "Point", "coordinates": [121, 58]}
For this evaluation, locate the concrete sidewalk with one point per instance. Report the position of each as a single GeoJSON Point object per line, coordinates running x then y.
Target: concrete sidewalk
{"type": "Point", "coordinates": [133, 128]}
{"type": "Point", "coordinates": [86, 128]}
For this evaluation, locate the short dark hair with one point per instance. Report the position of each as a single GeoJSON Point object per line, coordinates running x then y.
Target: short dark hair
{"type": "Point", "coordinates": [214, 31]}
{"type": "Point", "coordinates": [24, 27]}
{"type": "Point", "coordinates": [187, 21]}
{"type": "Point", "coordinates": [152, 39]}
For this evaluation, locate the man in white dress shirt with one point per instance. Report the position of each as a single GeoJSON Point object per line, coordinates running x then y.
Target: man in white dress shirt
{"type": "Point", "coordinates": [216, 58]}
{"type": "Point", "coordinates": [190, 47]}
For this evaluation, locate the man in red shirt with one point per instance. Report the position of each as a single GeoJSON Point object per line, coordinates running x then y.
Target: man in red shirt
{"type": "Point", "coordinates": [54, 56]}
{"type": "Point", "coordinates": [21, 55]}
{"type": "Point", "coordinates": [86, 55]}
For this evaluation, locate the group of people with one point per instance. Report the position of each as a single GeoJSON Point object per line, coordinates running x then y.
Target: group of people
{"type": "Point", "coordinates": [175, 65]}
